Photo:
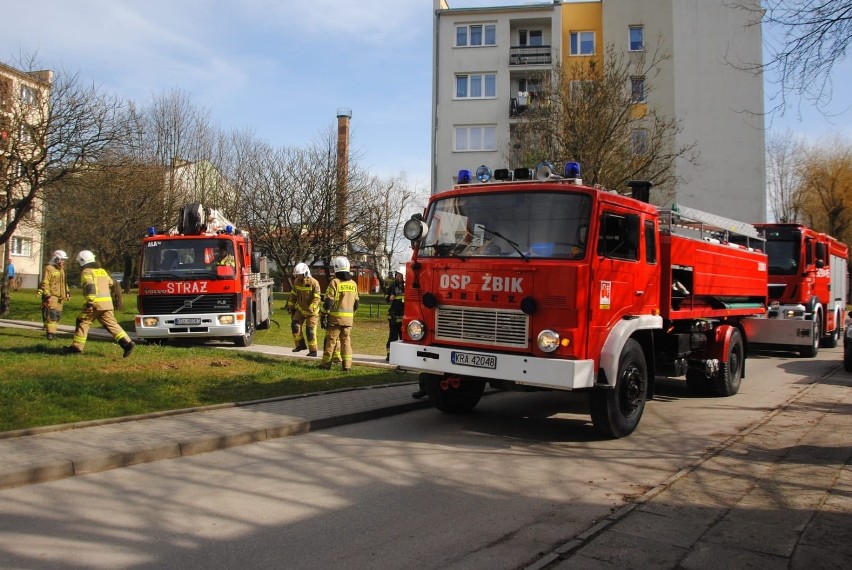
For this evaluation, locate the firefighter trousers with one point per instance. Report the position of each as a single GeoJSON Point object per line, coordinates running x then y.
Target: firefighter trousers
{"type": "Point", "coordinates": [307, 332]}
{"type": "Point", "coordinates": [106, 318]}
{"type": "Point", "coordinates": [338, 336]}
{"type": "Point", "coordinates": [51, 311]}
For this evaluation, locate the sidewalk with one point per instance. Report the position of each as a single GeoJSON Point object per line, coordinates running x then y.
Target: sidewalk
{"type": "Point", "coordinates": [55, 452]}
{"type": "Point", "coordinates": [776, 495]}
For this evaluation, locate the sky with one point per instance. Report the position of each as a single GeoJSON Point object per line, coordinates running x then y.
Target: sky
{"type": "Point", "coordinates": [281, 69]}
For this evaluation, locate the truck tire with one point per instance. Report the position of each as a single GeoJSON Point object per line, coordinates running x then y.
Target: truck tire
{"type": "Point", "coordinates": [727, 381]}
{"type": "Point", "coordinates": [247, 338]}
{"type": "Point", "coordinates": [454, 400]}
{"type": "Point", "coordinates": [830, 340]}
{"type": "Point", "coordinates": [616, 411]}
{"type": "Point", "coordinates": [812, 349]}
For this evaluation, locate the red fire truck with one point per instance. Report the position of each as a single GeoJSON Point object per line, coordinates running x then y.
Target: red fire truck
{"type": "Point", "coordinates": [202, 281]}
{"type": "Point", "coordinates": [544, 283]}
{"type": "Point", "coordinates": [807, 290]}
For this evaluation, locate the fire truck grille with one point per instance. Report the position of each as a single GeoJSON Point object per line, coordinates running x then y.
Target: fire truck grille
{"type": "Point", "coordinates": [482, 326]}
{"type": "Point", "coordinates": [188, 304]}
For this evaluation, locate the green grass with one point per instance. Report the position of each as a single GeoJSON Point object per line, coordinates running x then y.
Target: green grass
{"type": "Point", "coordinates": [369, 334]}
{"type": "Point", "coordinates": [41, 386]}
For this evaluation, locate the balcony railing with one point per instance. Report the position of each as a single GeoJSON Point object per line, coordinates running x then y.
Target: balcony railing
{"type": "Point", "coordinates": [530, 55]}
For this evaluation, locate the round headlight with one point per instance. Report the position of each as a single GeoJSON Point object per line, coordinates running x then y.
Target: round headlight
{"type": "Point", "coordinates": [414, 229]}
{"type": "Point", "coordinates": [416, 330]}
{"type": "Point", "coordinates": [548, 340]}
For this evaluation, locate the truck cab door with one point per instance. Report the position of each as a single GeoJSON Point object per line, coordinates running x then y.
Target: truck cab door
{"type": "Point", "coordinates": [619, 281]}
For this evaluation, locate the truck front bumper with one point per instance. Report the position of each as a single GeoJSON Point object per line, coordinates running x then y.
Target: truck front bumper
{"type": "Point", "coordinates": [211, 325]}
{"type": "Point", "coordinates": [552, 373]}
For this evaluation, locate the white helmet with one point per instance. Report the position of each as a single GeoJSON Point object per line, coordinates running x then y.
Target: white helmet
{"type": "Point", "coordinates": [58, 255]}
{"type": "Point", "coordinates": [85, 257]}
{"type": "Point", "coordinates": [340, 263]}
{"type": "Point", "coordinates": [301, 269]}
{"type": "Point", "coordinates": [401, 270]}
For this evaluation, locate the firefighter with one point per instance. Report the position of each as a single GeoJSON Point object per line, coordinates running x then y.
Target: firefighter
{"type": "Point", "coordinates": [53, 291]}
{"type": "Point", "coordinates": [396, 297]}
{"type": "Point", "coordinates": [303, 306]}
{"type": "Point", "coordinates": [338, 312]}
{"type": "Point", "coordinates": [96, 284]}
{"type": "Point", "coordinates": [224, 257]}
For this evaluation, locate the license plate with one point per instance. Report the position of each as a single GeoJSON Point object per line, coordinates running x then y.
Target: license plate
{"type": "Point", "coordinates": [473, 359]}
{"type": "Point", "coordinates": [187, 321]}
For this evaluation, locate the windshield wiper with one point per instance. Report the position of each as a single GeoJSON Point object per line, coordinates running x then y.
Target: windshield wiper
{"type": "Point", "coordinates": [514, 245]}
{"type": "Point", "coordinates": [446, 249]}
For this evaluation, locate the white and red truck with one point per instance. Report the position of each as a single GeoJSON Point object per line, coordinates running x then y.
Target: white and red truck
{"type": "Point", "coordinates": [202, 280]}
{"type": "Point", "coordinates": [544, 283]}
{"type": "Point", "coordinates": [808, 282]}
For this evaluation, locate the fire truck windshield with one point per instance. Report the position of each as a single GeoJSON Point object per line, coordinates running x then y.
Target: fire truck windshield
{"type": "Point", "coordinates": [783, 256]}
{"type": "Point", "coordinates": [508, 224]}
{"type": "Point", "coordinates": [184, 258]}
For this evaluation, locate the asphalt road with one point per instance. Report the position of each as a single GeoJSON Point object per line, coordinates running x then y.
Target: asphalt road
{"type": "Point", "coordinates": [493, 489]}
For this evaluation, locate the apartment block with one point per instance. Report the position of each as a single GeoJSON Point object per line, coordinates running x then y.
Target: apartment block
{"type": "Point", "coordinates": [487, 62]}
{"type": "Point", "coordinates": [23, 100]}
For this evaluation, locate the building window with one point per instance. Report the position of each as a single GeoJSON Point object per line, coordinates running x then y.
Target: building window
{"type": "Point", "coordinates": [637, 89]}
{"type": "Point", "coordinates": [479, 86]}
{"type": "Point", "coordinates": [476, 35]}
{"type": "Point", "coordinates": [28, 95]}
{"type": "Point", "coordinates": [637, 38]}
{"type": "Point", "coordinates": [530, 38]}
{"type": "Point", "coordinates": [21, 247]}
{"type": "Point", "coordinates": [582, 43]}
{"type": "Point", "coordinates": [475, 138]}
{"type": "Point", "coordinates": [639, 142]}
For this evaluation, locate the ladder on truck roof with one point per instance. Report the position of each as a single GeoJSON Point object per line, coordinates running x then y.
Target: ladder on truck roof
{"type": "Point", "coordinates": [718, 227]}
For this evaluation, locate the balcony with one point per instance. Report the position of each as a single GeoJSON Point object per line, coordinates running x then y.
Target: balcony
{"type": "Point", "coordinates": [530, 55]}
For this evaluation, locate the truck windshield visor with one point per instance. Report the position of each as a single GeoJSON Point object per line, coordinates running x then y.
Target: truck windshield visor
{"type": "Point", "coordinates": [507, 224]}
{"type": "Point", "coordinates": [184, 259]}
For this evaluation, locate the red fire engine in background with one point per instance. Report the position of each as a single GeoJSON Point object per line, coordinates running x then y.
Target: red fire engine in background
{"type": "Point", "coordinates": [202, 281]}
{"type": "Point", "coordinates": [544, 283]}
{"type": "Point", "coordinates": [807, 290]}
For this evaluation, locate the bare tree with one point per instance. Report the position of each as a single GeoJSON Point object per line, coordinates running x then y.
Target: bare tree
{"type": "Point", "coordinates": [389, 202]}
{"type": "Point", "coordinates": [53, 141]}
{"type": "Point", "coordinates": [826, 190]}
{"type": "Point", "coordinates": [784, 164]}
{"type": "Point", "coordinates": [812, 37]}
{"type": "Point", "coordinates": [596, 113]}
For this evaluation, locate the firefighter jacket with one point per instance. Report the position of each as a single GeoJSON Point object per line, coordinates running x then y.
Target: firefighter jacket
{"type": "Point", "coordinates": [53, 282]}
{"type": "Point", "coordinates": [305, 296]}
{"type": "Point", "coordinates": [97, 286]}
{"type": "Point", "coordinates": [397, 306]}
{"type": "Point", "coordinates": [341, 302]}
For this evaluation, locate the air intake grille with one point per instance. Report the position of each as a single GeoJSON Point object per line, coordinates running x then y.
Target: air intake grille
{"type": "Point", "coordinates": [188, 304]}
{"type": "Point", "coordinates": [482, 326]}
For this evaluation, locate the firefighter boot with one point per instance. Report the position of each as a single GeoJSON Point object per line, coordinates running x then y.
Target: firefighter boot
{"type": "Point", "coordinates": [71, 350]}
{"type": "Point", "coordinates": [300, 347]}
{"type": "Point", "coordinates": [312, 353]}
{"type": "Point", "coordinates": [128, 346]}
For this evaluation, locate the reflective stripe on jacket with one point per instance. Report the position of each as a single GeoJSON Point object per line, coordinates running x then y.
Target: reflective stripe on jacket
{"type": "Point", "coordinates": [97, 284]}
{"type": "Point", "coordinates": [344, 296]}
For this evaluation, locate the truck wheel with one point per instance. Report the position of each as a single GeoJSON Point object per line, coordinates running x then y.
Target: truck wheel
{"type": "Point", "coordinates": [697, 382]}
{"type": "Point", "coordinates": [831, 340]}
{"type": "Point", "coordinates": [727, 381]}
{"type": "Point", "coordinates": [812, 349]}
{"type": "Point", "coordinates": [248, 337]}
{"type": "Point", "coordinates": [616, 411]}
{"type": "Point", "coordinates": [450, 399]}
